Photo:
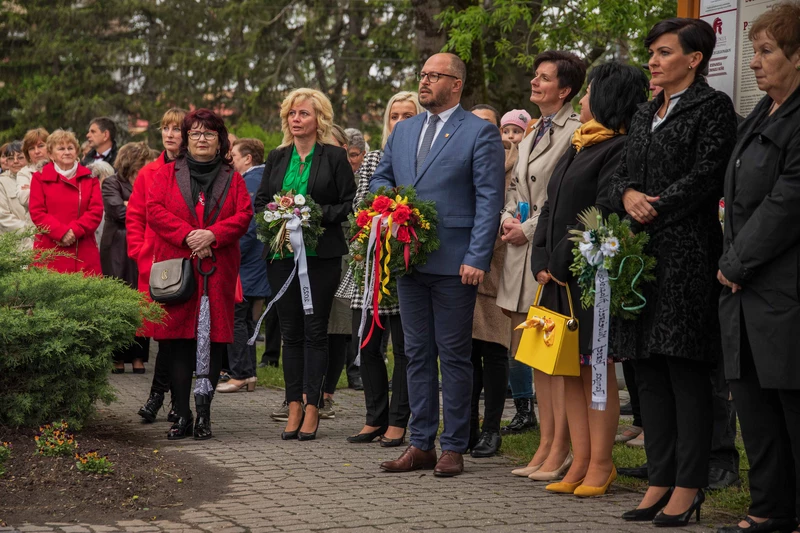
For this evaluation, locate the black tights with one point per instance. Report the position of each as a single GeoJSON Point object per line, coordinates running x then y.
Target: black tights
{"type": "Point", "coordinates": [183, 359]}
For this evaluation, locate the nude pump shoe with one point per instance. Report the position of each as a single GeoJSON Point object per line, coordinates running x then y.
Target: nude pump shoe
{"type": "Point", "coordinates": [552, 476]}
{"type": "Point", "coordinates": [526, 471]}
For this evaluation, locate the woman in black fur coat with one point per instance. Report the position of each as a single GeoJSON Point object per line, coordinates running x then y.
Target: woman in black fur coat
{"type": "Point", "coordinates": [669, 183]}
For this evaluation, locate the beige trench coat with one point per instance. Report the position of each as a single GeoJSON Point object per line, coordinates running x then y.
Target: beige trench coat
{"type": "Point", "coordinates": [489, 323]}
{"type": "Point", "coordinates": [517, 284]}
{"type": "Point", "coordinates": [13, 215]}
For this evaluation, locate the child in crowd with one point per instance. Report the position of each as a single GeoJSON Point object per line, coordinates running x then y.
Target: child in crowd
{"type": "Point", "coordinates": [513, 125]}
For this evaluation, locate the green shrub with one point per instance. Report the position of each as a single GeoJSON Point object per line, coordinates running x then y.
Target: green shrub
{"type": "Point", "coordinates": [57, 336]}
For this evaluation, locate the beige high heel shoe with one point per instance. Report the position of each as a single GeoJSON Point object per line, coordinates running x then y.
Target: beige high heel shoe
{"type": "Point", "coordinates": [249, 384]}
{"type": "Point", "coordinates": [552, 476]}
{"type": "Point", "coordinates": [526, 471]}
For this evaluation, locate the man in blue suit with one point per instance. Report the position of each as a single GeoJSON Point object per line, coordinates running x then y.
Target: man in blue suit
{"type": "Point", "coordinates": [457, 160]}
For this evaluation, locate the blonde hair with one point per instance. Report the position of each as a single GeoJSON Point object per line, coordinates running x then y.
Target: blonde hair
{"type": "Point", "coordinates": [339, 136]}
{"type": "Point", "coordinates": [402, 96]}
{"type": "Point", "coordinates": [173, 116]}
{"type": "Point", "coordinates": [322, 108]}
{"type": "Point", "coordinates": [62, 136]}
{"type": "Point", "coordinates": [130, 160]}
{"type": "Point", "coordinates": [31, 139]}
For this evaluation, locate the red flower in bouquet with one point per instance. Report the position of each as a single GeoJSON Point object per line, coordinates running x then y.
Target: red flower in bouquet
{"type": "Point", "coordinates": [382, 204]}
{"type": "Point", "coordinates": [403, 234]}
{"type": "Point", "coordinates": [286, 201]}
{"type": "Point", "coordinates": [401, 214]}
{"type": "Point", "coordinates": [363, 218]}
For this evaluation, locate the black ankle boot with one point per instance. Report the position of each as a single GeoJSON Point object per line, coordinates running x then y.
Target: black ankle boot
{"type": "Point", "coordinates": [151, 407]}
{"type": "Point", "coordinates": [182, 428]}
{"type": "Point", "coordinates": [524, 419]}
{"type": "Point", "coordinates": [488, 444]}
{"type": "Point", "coordinates": [202, 426]}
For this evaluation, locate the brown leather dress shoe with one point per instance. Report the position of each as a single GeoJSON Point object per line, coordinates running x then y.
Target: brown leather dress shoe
{"type": "Point", "coordinates": [450, 464]}
{"type": "Point", "coordinates": [412, 459]}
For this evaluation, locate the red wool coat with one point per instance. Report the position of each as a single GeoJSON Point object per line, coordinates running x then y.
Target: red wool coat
{"type": "Point", "coordinates": [61, 205]}
{"type": "Point", "coordinates": [172, 217]}
{"type": "Point", "coordinates": [140, 235]}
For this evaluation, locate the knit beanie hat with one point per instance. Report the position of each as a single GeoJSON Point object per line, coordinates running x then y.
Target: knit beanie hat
{"type": "Point", "coordinates": [516, 117]}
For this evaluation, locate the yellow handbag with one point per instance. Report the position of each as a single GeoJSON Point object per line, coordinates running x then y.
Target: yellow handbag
{"type": "Point", "coordinates": [550, 341]}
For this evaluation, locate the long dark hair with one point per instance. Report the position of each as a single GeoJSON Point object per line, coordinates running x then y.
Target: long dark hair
{"type": "Point", "coordinates": [211, 121]}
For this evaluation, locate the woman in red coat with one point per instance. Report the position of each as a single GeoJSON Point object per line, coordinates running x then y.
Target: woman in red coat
{"type": "Point", "coordinates": [198, 208]}
{"type": "Point", "coordinates": [66, 201]}
{"type": "Point", "coordinates": [141, 239]}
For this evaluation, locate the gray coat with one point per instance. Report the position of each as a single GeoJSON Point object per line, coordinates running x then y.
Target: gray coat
{"type": "Point", "coordinates": [762, 245]}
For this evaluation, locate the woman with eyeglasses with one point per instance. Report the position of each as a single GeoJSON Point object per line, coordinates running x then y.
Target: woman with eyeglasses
{"type": "Point", "coordinates": [198, 208]}
{"type": "Point", "coordinates": [308, 162]}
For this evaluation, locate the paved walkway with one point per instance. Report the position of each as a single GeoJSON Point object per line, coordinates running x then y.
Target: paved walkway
{"type": "Point", "coordinates": [332, 486]}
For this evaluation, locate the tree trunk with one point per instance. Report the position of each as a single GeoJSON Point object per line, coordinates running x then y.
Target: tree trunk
{"type": "Point", "coordinates": [430, 39]}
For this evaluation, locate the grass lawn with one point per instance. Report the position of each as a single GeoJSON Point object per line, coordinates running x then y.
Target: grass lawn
{"type": "Point", "coordinates": [722, 506]}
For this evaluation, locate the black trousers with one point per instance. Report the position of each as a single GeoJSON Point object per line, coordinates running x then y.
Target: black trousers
{"type": "Point", "coordinates": [380, 412]}
{"type": "Point", "coordinates": [675, 399]}
{"type": "Point", "coordinates": [162, 370]}
{"type": "Point", "coordinates": [305, 337]}
{"type": "Point", "coordinates": [629, 372]}
{"type": "Point", "coordinates": [724, 454]}
{"type": "Point", "coordinates": [139, 349]}
{"type": "Point", "coordinates": [241, 357]}
{"type": "Point", "coordinates": [183, 361]}
{"type": "Point", "coordinates": [272, 336]}
{"type": "Point", "coordinates": [490, 373]}
{"type": "Point", "coordinates": [770, 421]}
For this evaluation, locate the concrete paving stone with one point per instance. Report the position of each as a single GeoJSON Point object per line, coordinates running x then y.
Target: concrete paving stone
{"type": "Point", "coordinates": [76, 529]}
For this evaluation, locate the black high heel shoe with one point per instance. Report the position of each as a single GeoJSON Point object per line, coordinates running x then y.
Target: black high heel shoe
{"type": "Point", "coordinates": [783, 525]}
{"type": "Point", "coordinates": [291, 435]}
{"type": "Point", "coordinates": [681, 520]}
{"type": "Point", "coordinates": [308, 436]}
{"type": "Point", "coordinates": [648, 513]}
{"type": "Point", "coordinates": [363, 438]}
{"type": "Point", "coordinates": [393, 443]}
{"type": "Point", "coordinates": [182, 428]}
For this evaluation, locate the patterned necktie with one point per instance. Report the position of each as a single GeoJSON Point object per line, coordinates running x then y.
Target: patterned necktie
{"type": "Point", "coordinates": [546, 123]}
{"type": "Point", "coordinates": [427, 141]}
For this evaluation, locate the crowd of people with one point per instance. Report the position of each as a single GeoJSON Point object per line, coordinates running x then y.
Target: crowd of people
{"type": "Point", "coordinates": [713, 340]}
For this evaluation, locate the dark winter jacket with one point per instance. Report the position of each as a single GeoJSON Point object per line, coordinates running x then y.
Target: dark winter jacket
{"type": "Point", "coordinates": [762, 245]}
{"type": "Point", "coordinates": [683, 162]}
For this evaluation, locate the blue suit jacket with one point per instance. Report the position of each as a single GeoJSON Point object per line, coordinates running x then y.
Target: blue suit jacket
{"type": "Point", "coordinates": [464, 174]}
{"type": "Point", "coordinates": [253, 269]}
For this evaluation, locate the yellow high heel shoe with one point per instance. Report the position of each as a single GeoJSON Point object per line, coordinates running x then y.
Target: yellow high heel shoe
{"type": "Point", "coordinates": [585, 491]}
{"type": "Point", "coordinates": [563, 487]}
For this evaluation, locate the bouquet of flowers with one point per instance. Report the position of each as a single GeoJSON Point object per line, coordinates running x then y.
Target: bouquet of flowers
{"type": "Point", "coordinates": [273, 225]}
{"type": "Point", "coordinates": [611, 245]}
{"type": "Point", "coordinates": [405, 237]}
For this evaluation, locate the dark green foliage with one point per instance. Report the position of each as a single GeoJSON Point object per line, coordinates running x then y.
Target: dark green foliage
{"type": "Point", "coordinates": [57, 335]}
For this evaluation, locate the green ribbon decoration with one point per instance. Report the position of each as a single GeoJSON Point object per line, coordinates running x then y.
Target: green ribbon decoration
{"type": "Point", "coordinates": [633, 282]}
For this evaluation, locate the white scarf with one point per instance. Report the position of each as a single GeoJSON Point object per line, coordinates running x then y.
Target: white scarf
{"type": "Point", "coordinates": [67, 174]}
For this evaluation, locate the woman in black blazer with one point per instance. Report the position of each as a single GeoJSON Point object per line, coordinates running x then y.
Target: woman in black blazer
{"type": "Point", "coordinates": [669, 182]}
{"type": "Point", "coordinates": [306, 164]}
{"type": "Point", "coordinates": [759, 309]}
{"type": "Point", "coordinates": [579, 181]}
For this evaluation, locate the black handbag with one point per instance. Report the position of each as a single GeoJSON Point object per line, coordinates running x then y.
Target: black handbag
{"type": "Point", "coordinates": [172, 281]}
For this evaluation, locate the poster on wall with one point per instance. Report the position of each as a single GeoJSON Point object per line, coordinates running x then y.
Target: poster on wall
{"type": "Point", "coordinates": [721, 16]}
{"type": "Point", "coordinates": [747, 92]}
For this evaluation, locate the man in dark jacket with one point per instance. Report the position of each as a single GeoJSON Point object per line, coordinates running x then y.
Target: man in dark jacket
{"type": "Point", "coordinates": [102, 138]}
